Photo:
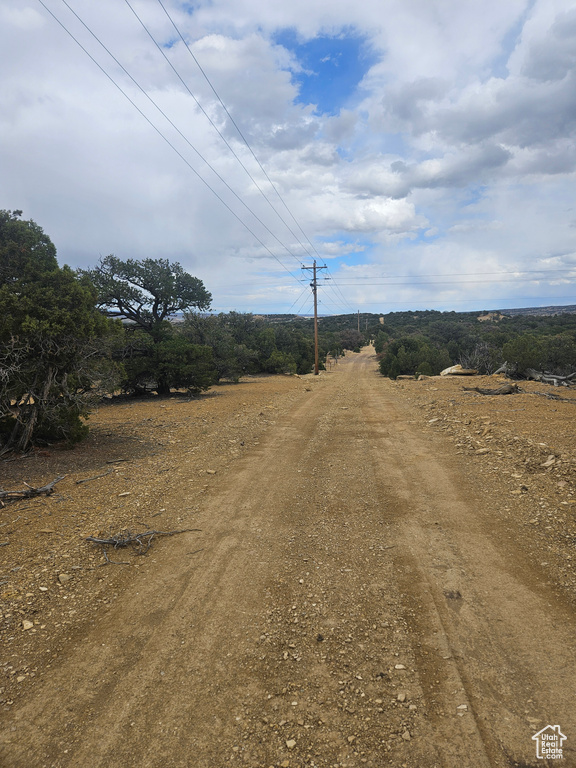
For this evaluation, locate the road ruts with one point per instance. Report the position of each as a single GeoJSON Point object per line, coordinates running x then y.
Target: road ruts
{"type": "Point", "coordinates": [358, 601]}
{"type": "Point", "coordinates": [487, 633]}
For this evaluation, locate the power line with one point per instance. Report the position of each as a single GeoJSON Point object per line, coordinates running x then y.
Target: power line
{"type": "Point", "coordinates": [333, 284]}
{"type": "Point", "coordinates": [212, 123]}
{"type": "Point", "coordinates": [305, 291]}
{"type": "Point", "coordinates": [491, 299]}
{"type": "Point", "coordinates": [462, 274]}
{"type": "Point", "coordinates": [336, 284]}
{"type": "Point", "coordinates": [188, 142]}
{"type": "Point", "coordinates": [241, 135]}
{"type": "Point", "coordinates": [269, 281]}
{"type": "Point", "coordinates": [347, 308]}
{"type": "Point", "coordinates": [198, 153]}
{"type": "Point", "coordinates": [302, 305]}
{"type": "Point", "coordinates": [415, 284]}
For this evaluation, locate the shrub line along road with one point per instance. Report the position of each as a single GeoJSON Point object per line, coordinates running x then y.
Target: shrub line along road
{"type": "Point", "coordinates": [358, 600]}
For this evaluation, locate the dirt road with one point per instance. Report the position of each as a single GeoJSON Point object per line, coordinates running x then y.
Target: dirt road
{"type": "Point", "coordinates": [360, 598]}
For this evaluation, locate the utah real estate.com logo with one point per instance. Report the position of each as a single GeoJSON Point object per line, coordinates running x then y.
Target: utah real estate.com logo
{"type": "Point", "coordinates": [549, 743]}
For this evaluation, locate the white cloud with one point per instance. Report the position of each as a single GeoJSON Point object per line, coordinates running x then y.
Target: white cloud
{"type": "Point", "coordinates": [459, 151]}
{"type": "Point", "coordinates": [21, 18]}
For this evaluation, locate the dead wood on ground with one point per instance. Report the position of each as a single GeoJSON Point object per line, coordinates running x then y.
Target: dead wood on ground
{"type": "Point", "coordinates": [95, 477]}
{"type": "Point", "coordinates": [141, 542]}
{"type": "Point", "coordinates": [505, 389]}
{"type": "Point", "coordinates": [555, 397]}
{"type": "Point", "coordinates": [550, 378]}
{"type": "Point", "coordinates": [29, 492]}
{"type": "Point", "coordinates": [545, 377]}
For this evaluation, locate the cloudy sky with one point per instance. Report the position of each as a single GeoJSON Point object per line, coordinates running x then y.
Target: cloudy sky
{"type": "Point", "coordinates": [423, 150]}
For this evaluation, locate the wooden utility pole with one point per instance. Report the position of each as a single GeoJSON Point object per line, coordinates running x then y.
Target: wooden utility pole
{"type": "Point", "coordinates": [314, 286]}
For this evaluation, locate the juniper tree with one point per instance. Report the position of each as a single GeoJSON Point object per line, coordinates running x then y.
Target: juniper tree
{"type": "Point", "coordinates": [50, 329]}
{"type": "Point", "coordinates": [147, 293]}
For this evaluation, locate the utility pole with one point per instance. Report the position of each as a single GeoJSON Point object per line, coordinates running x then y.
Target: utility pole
{"type": "Point", "coordinates": [314, 286]}
{"type": "Point", "coordinates": [358, 321]}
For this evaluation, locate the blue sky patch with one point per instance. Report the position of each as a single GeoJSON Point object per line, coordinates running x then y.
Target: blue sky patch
{"type": "Point", "coordinates": [509, 43]}
{"type": "Point", "coordinates": [359, 248]}
{"type": "Point", "coordinates": [332, 67]}
{"type": "Point", "coordinates": [474, 194]}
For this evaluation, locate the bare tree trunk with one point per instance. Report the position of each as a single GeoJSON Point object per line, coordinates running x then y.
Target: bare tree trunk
{"type": "Point", "coordinates": [17, 427]}
{"type": "Point", "coordinates": [36, 406]}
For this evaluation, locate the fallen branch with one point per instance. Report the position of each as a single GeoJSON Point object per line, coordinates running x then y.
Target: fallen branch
{"type": "Point", "coordinates": [16, 458]}
{"type": "Point", "coordinates": [29, 492]}
{"type": "Point", "coordinates": [545, 377]}
{"type": "Point", "coordinates": [505, 389]}
{"type": "Point", "coordinates": [141, 541]}
{"type": "Point", "coordinates": [112, 562]}
{"type": "Point", "coordinates": [550, 378]}
{"type": "Point", "coordinates": [96, 477]}
{"type": "Point", "coordinates": [555, 397]}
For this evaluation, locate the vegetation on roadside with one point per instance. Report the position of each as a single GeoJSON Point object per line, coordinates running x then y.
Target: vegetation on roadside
{"type": "Point", "coordinates": [53, 340]}
{"type": "Point", "coordinates": [67, 338]}
{"type": "Point", "coordinates": [427, 342]}
{"type": "Point", "coordinates": [146, 294]}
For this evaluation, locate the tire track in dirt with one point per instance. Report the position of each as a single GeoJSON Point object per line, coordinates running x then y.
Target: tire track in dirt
{"type": "Point", "coordinates": [354, 590]}
{"type": "Point", "coordinates": [486, 629]}
{"type": "Point", "coordinates": [178, 624]}
{"type": "Point", "coordinates": [220, 661]}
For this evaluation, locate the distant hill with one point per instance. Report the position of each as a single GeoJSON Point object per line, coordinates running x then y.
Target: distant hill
{"type": "Point", "coordinates": [569, 309]}
{"type": "Point", "coordinates": [495, 314]}
{"type": "Point", "coordinates": [551, 311]}
{"type": "Point", "coordinates": [374, 317]}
